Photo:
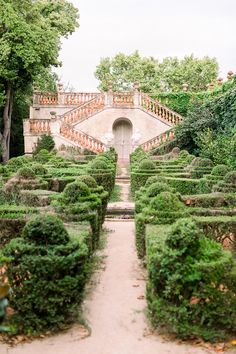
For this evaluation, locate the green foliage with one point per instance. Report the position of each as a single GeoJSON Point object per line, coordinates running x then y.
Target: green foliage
{"type": "Point", "coordinates": [75, 191]}
{"type": "Point", "coordinates": [43, 156]}
{"type": "Point", "coordinates": [220, 170]}
{"type": "Point", "coordinates": [26, 173]}
{"type": "Point", "coordinates": [188, 290]}
{"type": "Point", "coordinates": [45, 142]}
{"type": "Point", "coordinates": [45, 230]}
{"type": "Point", "coordinates": [47, 274]}
{"type": "Point", "coordinates": [166, 202]}
{"type": "Point", "coordinates": [88, 180]}
{"type": "Point", "coordinates": [156, 188]}
{"type": "Point", "coordinates": [168, 75]}
{"type": "Point", "coordinates": [146, 165]}
{"type": "Point", "coordinates": [17, 162]}
{"type": "Point", "coordinates": [39, 169]}
{"type": "Point", "coordinates": [154, 179]}
{"type": "Point", "coordinates": [99, 164]}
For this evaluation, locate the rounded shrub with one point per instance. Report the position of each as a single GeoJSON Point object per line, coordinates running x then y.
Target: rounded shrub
{"type": "Point", "coordinates": [88, 180]}
{"type": "Point", "coordinates": [156, 188]}
{"type": "Point", "coordinates": [43, 156]}
{"type": "Point", "coordinates": [183, 154]}
{"type": "Point", "coordinates": [74, 192]}
{"type": "Point", "coordinates": [39, 169]}
{"type": "Point", "coordinates": [175, 150]}
{"type": "Point", "coordinates": [204, 163]}
{"type": "Point", "coordinates": [47, 274]}
{"type": "Point", "coordinates": [220, 170]}
{"type": "Point", "coordinates": [166, 202]}
{"type": "Point", "coordinates": [98, 164]}
{"type": "Point", "coordinates": [45, 142]}
{"type": "Point", "coordinates": [45, 230]}
{"type": "Point", "coordinates": [154, 179]}
{"type": "Point", "coordinates": [26, 173]}
{"type": "Point", "coordinates": [147, 165]}
{"type": "Point", "coordinates": [17, 162]}
{"type": "Point", "coordinates": [230, 177]}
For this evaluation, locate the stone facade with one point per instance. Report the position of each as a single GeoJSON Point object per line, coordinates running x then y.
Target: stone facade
{"type": "Point", "coordinates": [97, 121]}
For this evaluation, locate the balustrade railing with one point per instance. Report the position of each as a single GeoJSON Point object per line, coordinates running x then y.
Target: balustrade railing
{"type": "Point", "coordinates": [123, 98]}
{"type": "Point", "coordinates": [45, 98]}
{"type": "Point", "coordinates": [160, 110]}
{"type": "Point", "coordinates": [85, 110]}
{"type": "Point", "coordinates": [82, 139]}
{"type": "Point", "coordinates": [39, 126]}
{"type": "Point", "coordinates": [78, 98]}
{"type": "Point", "coordinates": [158, 140]}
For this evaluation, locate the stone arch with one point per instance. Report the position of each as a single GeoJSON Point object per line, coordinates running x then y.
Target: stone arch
{"type": "Point", "coordinates": [123, 130]}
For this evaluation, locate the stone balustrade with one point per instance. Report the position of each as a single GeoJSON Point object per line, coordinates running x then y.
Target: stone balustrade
{"type": "Point", "coordinates": [158, 140]}
{"type": "Point", "coordinates": [123, 99]}
{"type": "Point", "coordinates": [78, 98]}
{"type": "Point", "coordinates": [160, 110]}
{"type": "Point", "coordinates": [85, 110]}
{"type": "Point", "coordinates": [82, 139]}
{"type": "Point", "coordinates": [45, 98]}
{"type": "Point", "coordinates": [40, 126]}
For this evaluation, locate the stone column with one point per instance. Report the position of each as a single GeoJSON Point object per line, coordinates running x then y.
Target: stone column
{"type": "Point", "coordinates": [109, 96]}
{"type": "Point", "coordinates": [60, 94]}
{"type": "Point", "coordinates": [136, 94]}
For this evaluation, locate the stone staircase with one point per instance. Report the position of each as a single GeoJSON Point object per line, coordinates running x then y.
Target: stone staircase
{"type": "Point", "coordinates": [79, 107]}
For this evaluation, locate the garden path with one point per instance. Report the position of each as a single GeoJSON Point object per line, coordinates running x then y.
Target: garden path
{"type": "Point", "coordinates": [114, 309]}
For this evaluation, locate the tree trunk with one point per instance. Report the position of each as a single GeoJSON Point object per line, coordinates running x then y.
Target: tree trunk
{"type": "Point", "coordinates": [7, 113]}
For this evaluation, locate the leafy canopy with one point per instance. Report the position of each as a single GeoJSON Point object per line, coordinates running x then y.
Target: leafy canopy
{"type": "Point", "coordinates": [168, 75]}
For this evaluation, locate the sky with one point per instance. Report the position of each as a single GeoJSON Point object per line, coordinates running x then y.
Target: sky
{"type": "Point", "coordinates": [157, 28]}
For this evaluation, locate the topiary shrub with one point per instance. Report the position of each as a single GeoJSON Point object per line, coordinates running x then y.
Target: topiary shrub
{"type": "Point", "coordinates": [74, 192]}
{"type": "Point", "coordinates": [39, 169]}
{"type": "Point", "coordinates": [43, 156]}
{"type": "Point", "coordinates": [154, 179]}
{"type": "Point", "coordinates": [166, 202]}
{"type": "Point", "coordinates": [204, 163]}
{"type": "Point", "coordinates": [189, 292]}
{"type": "Point", "coordinates": [220, 170]}
{"type": "Point", "coordinates": [88, 180]}
{"type": "Point", "coordinates": [146, 165]}
{"type": "Point", "coordinates": [47, 274]}
{"type": "Point", "coordinates": [156, 188]}
{"type": "Point", "coordinates": [17, 162]}
{"type": "Point", "coordinates": [99, 164]}
{"type": "Point", "coordinates": [26, 173]}
{"type": "Point", "coordinates": [45, 142]}
{"type": "Point", "coordinates": [230, 178]}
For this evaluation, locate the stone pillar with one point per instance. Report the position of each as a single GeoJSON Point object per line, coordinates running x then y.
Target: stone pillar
{"type": "Point", "coordinates": [136, 94]}
{"type": "Point", "coordinates": [61, 94]}
{"type": "Point", "coordinates": [109, 96]}
{"type": "Point", "coordinates": [54, 124]}
{"type": "Point", "coordinates": [230, 75]}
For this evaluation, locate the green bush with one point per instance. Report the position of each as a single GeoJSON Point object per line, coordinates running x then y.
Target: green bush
{"type": "Point", "coordinates": [47, 275]}
{"type": "Point", "coordinates": [39, 169]}
{"type": "Point", "coordinates": [154, 179]}
{"type": "Point", "coordinates": [204, 163]}
{"type": "Point", "coordinates": [88, 180]}
{"type": "Point", "coordinates": [45, 142]}
{"type": "Point", "coordinates": [74, 192]}
{"type": "Point", "coordinates": [220, 170]}
{"type": "Point", "coordinates": [166, 202]}
{"type": "Point", "coordinates": [146, 165]}
{"type": "Point", "coordinates": [230, 178]}
{"type": "Point", "coordinates": [43, 156]}
{"type": "Point", "coordinates": [17, 162]}
{"type": "Point", "coordinates": [188, 291]}
{"type": "Point", "coordinates": [99, 164]}
{"type": "Point", "coordinates": [26, 173]}
{"type": "Point", "coordinates": [156, 188]}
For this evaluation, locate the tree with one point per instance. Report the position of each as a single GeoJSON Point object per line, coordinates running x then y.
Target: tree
{"type": "Point", "coordinates": [30, 33]}
{"type": "Point", "coordinates": [168, 75]}
{"type": "Point", "coordinates": [123, 70]}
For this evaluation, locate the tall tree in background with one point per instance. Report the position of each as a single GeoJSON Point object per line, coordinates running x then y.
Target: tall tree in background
{"type": "Point", "coordinates": [30, 33]}
{"type": "Point", "coordinates": [168, 75]}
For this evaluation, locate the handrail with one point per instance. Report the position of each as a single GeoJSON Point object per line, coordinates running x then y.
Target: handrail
{"type": "Point", "coordinates": [39, 126]}
{"type": "Point", "coordinates": [158, 140]}
{"type": "Point", "coordinates": [63, 98]}
{"type": "Point", "coordinates": [84, 111]}
{"type": "Point", "coordinates": [123, 98]}
{"type": "Point", "coordinates": [79, 98]}
{"type": "Point", "coordinates": [82, 139]}
{"type": "Point", "coordinates": [160, 110]}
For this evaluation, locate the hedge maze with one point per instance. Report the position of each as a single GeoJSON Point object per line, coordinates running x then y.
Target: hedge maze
{"type": "Point", "coordinates": [185, 232]}
{"type": "Point", "coordinates": [52, 210]}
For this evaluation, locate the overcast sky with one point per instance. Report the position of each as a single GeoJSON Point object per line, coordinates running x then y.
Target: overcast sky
{"type": "Point", "coordinates": [157, 28]}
